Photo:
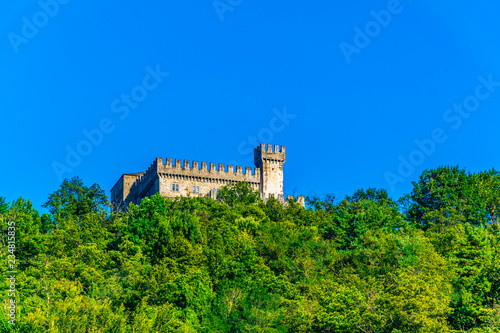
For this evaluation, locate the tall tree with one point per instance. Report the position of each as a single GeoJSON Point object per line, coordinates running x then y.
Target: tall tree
{"type": "Point", "coordinates": [373, 194]}
{"type": "Point", "coordinates": [3, 205]}
{"type": "Point", "coordinates": [449, 195]}
{"type": "Point", "coordinates": [76, 199]}
{"type": "Point", "coordinates": [240, 192]}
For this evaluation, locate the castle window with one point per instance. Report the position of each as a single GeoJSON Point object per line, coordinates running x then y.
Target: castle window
{"type": "Point", "coordinates": [196, 189]}
{"type": "Point", "coordinates": [175, 187]}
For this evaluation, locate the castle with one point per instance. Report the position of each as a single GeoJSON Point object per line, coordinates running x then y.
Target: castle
{"type": "Point", "coordinates": [175, 180]}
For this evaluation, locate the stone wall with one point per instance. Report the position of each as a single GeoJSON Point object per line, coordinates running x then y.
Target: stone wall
{"type": "Point", "coordinates": [205, 180]}
{"type": "Point", "coordinates": [121, 194]}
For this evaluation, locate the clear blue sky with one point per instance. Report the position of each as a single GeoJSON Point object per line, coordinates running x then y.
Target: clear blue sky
{"type": "Point", "coordinates": [354, 83]}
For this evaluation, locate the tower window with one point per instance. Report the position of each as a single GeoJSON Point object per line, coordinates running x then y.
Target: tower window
{"type": "Point", "coordinates": [196, 189]}
{"type": "Point", "coordinates": [175, 187]}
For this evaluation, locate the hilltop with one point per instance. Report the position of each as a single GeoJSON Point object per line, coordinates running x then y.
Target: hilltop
{"type": "Point", "coordinates": [427, 262]}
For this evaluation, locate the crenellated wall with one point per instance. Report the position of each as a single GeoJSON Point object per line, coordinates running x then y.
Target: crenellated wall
{"type": "Point", "coordinates": [226, 172]}
{"type": "Point", "coordinates": [205, 179]}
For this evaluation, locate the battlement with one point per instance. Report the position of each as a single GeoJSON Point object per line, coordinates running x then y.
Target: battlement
{"type": "Point", "coordinates": [205, 170]}
{"type": "Point", "coordinates": [269, 152]}
{"type": "Point", "coordinates": [300, 199]}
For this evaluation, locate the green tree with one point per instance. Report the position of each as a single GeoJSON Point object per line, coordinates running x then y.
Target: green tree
{"type": "Point", "coordinates": [428, 263]}
{"type": "Point", "coordinates": [408, 280]}
{"type": "Point", "coordinates": [326, 204]}
{"type": "Point", "coordinates": [76, 199]}
{"type": "Point", "coordinates": [372, 194]}
{"type": "Point", "coordinates": [29, 237]}
{"type": "Point", "coordinates": [238, 193]}
{"type": "Point", "coordinates": [449, 195]}
{"type": "Point", "coordinates": [366, 210]}
{"type": "Point", "coordinates": [472, 260]}
{"type": "Point", "coordinates": [3, 205]}
{"type": "Point", "coordinates": [459, 212]}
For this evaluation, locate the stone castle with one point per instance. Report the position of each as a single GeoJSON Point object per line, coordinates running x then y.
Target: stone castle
{"type": "Point", "coordinates": [173, 180]}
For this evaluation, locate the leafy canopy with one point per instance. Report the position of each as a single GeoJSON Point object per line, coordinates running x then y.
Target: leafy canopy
{"type": "Point", "coordinates": [427, 263]}
{"type": "Point", "coordinates": [76, 199]}
{"type": "Point", "coordinates": [3, 205]}
{"type": "Point", "coordinates": [238, 193]}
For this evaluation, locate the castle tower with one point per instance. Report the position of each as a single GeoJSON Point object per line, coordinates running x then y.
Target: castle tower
{"type": "Point", "coordinates": [270, 161]}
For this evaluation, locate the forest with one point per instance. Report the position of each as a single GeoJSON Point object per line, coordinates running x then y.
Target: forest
{"type": "Point", "coordinates": [426, 262]}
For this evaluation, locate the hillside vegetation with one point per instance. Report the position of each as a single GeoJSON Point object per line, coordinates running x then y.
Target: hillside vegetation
{"type": "Point", "coordinates": [428, 262]}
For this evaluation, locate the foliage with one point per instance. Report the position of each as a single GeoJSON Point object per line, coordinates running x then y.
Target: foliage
{"type": "Point", "coordinates": [3, 205]}
{"type": "Point", "coordinates": [429, 262]}
{"type": "Point", "coordinates": [449, 195]}
{"type": "Point", "coordinates": [241, 193]}
{"type": "Point", "coordinates": [76, 199]}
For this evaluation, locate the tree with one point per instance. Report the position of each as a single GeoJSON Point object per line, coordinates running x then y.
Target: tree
{"type": "Point", "coordinates": [28, 228]}
{"type": "Point", "coordinates": [449, 195]}
{"type": "Point", "coordinates": [74, 198]}
{"type": "Point", "coordinates": [365, 210]}
{"type": "Point", "coordinates": [373, 194]}
{"type": "Point", "coordinates": [327, 204]}
{"type": "Point", "coordinates": [241, 264]}
{"type": "Point", "coordinates": [487, 185]}
{"type": "Point", "coordinates": [241, 192]}
{"type": "Point", "coordinates": [458, 210]}
{"type": "Point", "coordinates": [472, 261]}
{"type": "Point", "coordinates": [3, 205]}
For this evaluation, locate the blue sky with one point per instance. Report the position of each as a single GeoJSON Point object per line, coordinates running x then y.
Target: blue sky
{"type": "Point", "coordinates": [363, 94]}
